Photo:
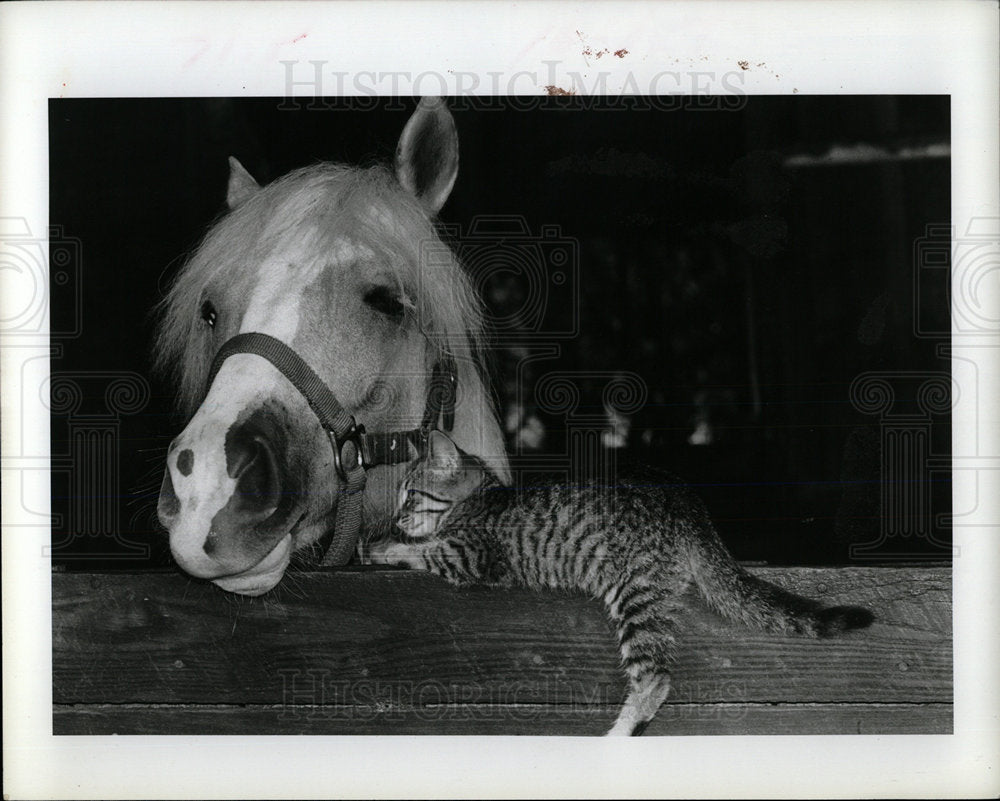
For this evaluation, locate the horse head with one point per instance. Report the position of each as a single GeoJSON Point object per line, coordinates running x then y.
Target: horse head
{"type": "Point", "coordinates": [344, 266]}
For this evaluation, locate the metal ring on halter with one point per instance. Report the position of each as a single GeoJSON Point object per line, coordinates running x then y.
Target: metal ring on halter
{"type": "Point", "coordinates": [352, 437]}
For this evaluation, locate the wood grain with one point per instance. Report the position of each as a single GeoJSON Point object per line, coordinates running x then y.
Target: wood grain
{"type": "Point", "coordinates": [355, 640]}
{"type": "Point", "coordinates": [543, 719]}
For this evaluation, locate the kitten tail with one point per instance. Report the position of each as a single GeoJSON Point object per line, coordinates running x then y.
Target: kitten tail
{"type": "Point", "coordinates": [740, 596]}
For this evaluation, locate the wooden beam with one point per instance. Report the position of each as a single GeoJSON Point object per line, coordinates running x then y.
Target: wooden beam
{"type": "Point", "coordinates": [382, 651]}
{"type": "Point", "coordinates": [540, 719]}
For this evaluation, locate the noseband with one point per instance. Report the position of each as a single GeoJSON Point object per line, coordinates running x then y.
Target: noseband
{"type": "Point", "coordinates": [354, 449]}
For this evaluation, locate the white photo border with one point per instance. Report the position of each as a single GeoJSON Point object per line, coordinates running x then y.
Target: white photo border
{"type": "Point", "coordinates": [94, 49]}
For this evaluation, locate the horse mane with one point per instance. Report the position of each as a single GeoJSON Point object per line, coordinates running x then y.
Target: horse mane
{"type": "Point", "coordinates": [365, 205]}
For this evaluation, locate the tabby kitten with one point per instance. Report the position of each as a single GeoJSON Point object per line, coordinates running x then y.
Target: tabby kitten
{"type": "Point", "coordinates": [638, 547]}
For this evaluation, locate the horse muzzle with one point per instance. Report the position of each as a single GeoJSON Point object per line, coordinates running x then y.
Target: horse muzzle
{"type": "Point", "coordinates": [227, 500]}
{"type": "Point", "coordinates": [231, 519]}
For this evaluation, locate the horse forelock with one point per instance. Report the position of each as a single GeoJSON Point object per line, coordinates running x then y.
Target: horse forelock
{"type": "Point", "coordinates": [334, 203]}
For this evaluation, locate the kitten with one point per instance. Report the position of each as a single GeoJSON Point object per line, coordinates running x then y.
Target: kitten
{"type": "Point", "coordinates": [636, 546]}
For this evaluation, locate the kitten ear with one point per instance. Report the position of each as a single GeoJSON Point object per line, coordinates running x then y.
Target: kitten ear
{"type": "Point", "coordinates": [241, 187]}
{"type": "Point", "coordinates": [442, 453]}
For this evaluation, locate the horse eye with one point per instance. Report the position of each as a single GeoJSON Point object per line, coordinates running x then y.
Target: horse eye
{"type": "Point", "coordinates": [208, 313]}
{"type": "Point", "coordinates": [385, 300]}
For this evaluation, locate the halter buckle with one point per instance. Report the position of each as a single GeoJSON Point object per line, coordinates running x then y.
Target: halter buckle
{"type": "Point", "coordinates": [352, 435]}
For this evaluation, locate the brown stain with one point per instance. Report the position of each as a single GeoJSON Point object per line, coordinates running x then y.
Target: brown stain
{"type": "Point", "coordinates": [745, 65]}
{"type": "Point", "coordinates": [558, 92]}
{"type": "Point", "coordinates": [589, 51]}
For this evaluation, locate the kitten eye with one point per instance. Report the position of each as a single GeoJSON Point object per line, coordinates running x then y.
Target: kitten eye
{"type": "Point", "coordinates": [209, 314]}
{"type": "Point", "coordinates": [386, 301]}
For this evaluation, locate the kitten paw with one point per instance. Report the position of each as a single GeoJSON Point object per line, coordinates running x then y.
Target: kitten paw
{"type": "Point", "coordinates": [387, 552]}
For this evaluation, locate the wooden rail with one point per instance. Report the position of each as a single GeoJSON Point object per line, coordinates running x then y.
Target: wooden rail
{"type": "Point", "coordinates": [381, 651]}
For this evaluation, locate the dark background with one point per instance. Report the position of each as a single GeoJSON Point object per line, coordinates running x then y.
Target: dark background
{"type": "Point", "coordinates": [746, 290]}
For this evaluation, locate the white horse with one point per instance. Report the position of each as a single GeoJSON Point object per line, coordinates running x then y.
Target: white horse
{"type": "Point", "coordinates": [333, 262]}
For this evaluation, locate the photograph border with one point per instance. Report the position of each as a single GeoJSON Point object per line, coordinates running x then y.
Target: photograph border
{"type": "Point", "coordinates": [88, 49]}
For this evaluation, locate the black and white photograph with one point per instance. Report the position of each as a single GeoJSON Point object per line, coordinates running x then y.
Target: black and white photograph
{"type": "Point", "coordinates": [628, 393]}
{"type": "Point", "coordinates": [700, 320]}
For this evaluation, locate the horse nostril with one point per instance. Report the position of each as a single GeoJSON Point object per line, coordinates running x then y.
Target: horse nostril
{"type": "Point", "coordinates": [251, 460]}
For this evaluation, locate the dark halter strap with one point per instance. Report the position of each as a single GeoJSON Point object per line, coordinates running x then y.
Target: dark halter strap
{"type": "Point", "coordinates": [354, 449]}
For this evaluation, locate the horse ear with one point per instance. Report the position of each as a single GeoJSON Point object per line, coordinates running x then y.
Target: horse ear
{"type": "Point", "coordinates": [242, 186]}
{"type": "Point", "coordinates": [442, 453]}
{"type": "Point", "coordinates": [427, 153]}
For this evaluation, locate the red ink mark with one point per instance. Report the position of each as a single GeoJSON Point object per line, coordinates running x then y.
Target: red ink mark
{"type": "Point", "coordinates": [621, 53]}
{"type": "Point", "coordinates": [202, 47]}
{"type": "Point", "coordinates": [299, 37]}
{"type": "Point", "coordinates": [556, 91]}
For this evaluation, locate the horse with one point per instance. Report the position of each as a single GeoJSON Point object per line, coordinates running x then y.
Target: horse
{"type": "Point", "coordinates": [341, 271]}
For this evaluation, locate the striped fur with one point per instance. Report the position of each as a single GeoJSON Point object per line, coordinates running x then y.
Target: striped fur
{"type": "Point", "coordinates": [637, 546]}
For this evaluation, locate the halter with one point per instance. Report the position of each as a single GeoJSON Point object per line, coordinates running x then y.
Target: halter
{"type": "Point", "coordinates": [354, 449]}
